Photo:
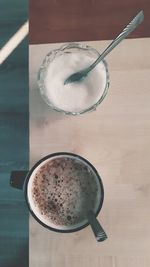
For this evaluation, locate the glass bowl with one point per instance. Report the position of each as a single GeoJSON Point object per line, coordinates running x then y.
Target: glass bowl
{"type": "Point", "coordinates": [51, 56]}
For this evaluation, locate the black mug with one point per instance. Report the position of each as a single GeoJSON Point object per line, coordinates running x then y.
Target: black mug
{"type": "Point", "coordinates": [21, 180]}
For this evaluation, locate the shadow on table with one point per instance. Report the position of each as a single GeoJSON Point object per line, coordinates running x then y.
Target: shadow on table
{"type": "Point", "coordinates": [40, 112]}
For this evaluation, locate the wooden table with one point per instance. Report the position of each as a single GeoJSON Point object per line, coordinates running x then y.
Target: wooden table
{"type": "Point", "coordinates": [116, 140]}
{"type": "Point", "coordinates": [75, 20]}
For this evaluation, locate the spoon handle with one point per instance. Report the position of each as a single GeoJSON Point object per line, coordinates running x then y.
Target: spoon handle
{"type": "Point", "coordinates": [128, 29]}
{"type": "Point", "coordinates": [96, 227]}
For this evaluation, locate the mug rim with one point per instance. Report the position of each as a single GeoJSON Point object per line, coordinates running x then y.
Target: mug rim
{"type": "Point", "coordinates": [25, 187]}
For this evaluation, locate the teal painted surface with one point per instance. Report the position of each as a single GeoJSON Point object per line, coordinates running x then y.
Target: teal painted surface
{"type": "Point", "coordinates": [12, 14]}
{"type": "Point", "coordinates": [14, 147]}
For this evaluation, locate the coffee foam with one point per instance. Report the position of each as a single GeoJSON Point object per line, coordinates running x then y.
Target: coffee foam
{"type": "Point", "coordinates": [61, 190]}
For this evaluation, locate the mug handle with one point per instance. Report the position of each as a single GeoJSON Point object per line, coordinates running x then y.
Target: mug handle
{"type": "Point", "coordinates": [17, 179]}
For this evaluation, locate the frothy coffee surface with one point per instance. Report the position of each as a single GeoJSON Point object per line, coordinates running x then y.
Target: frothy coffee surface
{"type": "Point", "coordinates": [63, 190]}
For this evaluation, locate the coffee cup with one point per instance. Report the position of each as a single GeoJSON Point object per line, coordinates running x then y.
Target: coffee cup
{"type": "Point", "coordinates": [60, 190]}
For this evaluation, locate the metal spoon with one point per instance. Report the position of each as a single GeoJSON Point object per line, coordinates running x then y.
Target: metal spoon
{"type": "Point", "coordinates": [78, 76]}
{"type": "Point", "coordinates": [96, 227]}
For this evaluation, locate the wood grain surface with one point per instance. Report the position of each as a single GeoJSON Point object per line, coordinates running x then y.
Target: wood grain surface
{"type": "Point", "coordinates": [116, 140]}
{"type": "Point", "coordinates": [75, 20]}
{"type": "Point", "coordinates": [13, 138]}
